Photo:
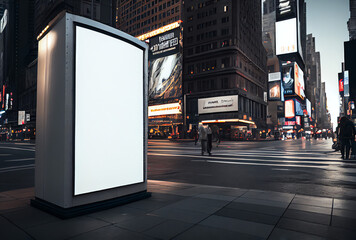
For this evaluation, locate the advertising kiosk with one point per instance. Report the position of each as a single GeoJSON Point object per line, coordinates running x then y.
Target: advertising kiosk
{"type": "Point", "coordinates": [91, 143]}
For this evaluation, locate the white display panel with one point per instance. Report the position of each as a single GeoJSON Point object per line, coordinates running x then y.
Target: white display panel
{"type": "Point", "coordinates": [286, 36]}
{"type": "Point", "coordinates": [218, 104]}
{"type": "Point", "coordinates": [109, 112]}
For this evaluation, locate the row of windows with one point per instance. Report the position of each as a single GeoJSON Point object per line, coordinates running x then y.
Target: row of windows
{"type": "Point", "coordinates": [148, 13]}
{"type": "Point", "coordinates": [141, 30]}
{"type": "Point", "coordinates": [225, 62]}
{"type": "Point", "coordinates": [223, 83]}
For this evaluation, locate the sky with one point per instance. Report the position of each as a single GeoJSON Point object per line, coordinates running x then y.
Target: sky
{"type": "Point", "coordinates": [327, 21]}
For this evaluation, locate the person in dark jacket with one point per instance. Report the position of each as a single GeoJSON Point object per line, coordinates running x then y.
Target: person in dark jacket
{"type": "Point", "coordinates": [347, 136]}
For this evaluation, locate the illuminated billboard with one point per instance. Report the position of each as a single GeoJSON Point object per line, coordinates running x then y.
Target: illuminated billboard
{"type": "Point", "coordinates": [289, 108]}
{"type": "Point", "coordinates": [274, 93]}
{"type": "Point", "coordinates": [165, 109]}
{"type": "Point", "coordinates": [165, 67]}
{"type": "Point", "coordinates": [286, 9]}
{"type": "Point", "coordinates": [98, 69]}
{"type": "Point", "coordinates": [218, 104]}
{"type": "Point", "coordinates": [286, 36]}
{"type": "Point", "coordinates": [346, 84]}
{"type": "Point", "coordinates": [293, 80]}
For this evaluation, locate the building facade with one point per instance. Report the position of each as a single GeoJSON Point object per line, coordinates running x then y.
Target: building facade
{"type": "Point", "coordinates": [225, 75]}
{"type": "Point", "coordinates": [351, 24]}
{"type": "Point", "coordinates": [143, 16]}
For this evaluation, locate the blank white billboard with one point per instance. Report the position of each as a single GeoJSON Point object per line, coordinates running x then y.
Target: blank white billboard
{"type": "Point", "coordinates": [286, 36]}
{"type": "Point", "coordinates": [109, 112]}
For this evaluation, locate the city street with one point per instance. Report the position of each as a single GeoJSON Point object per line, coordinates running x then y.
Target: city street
{"type": "Point", "coordinates": [300, 166]}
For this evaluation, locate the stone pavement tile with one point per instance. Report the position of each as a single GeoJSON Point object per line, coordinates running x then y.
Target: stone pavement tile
{"type": "Point", "coordinates": [344, 213]}
{"type": "Point", "coordinates": [308, 208]}
{"type": "Point", "coordinates": [164, 197]}
{"type": "Point", "coordinates": [188, 216]}
{"type": "Point", "coordinates": [118, 214]}
{"type": "Point", "coordinates": [148, 204]}
{"type": "Point", "coordinates": [314, 201]}
{"type": "Point", "coordinates": [248, 216]}
{"type": "Point", "coordinates": [308, 216]}
{"type": "Point", "coordinates": [187, 192]}
{"type": "Point", "coordinates": [336, 233]}
{"type": "Point", "coordinates": [202, 205]}
{"type": "Point", "coordinates": [344, 204]}
{"type": "Point", "coordinates": [207, 233]}
{"type": "Point", "coordinates": [262, 202]}
{"type": "Point", "coordinates": [168, 229]}
{"type": "Point", "coordinates": [279, 234]}
{"type": "Point", "coordinates": [342, 222]}
{"type": "Point", "coordinates": [263, 209]}
{"type": "Point", "coordinates": [109, 233]}
{"type": "Point", "coordinates": [30, 217]}
{"type": "Point", "coordinates": [216, 197]}
{"type": "Point", "coordinates": [241, 226]}
{"type": "Point", "coordinates": [21, 193]}
{"type": "Point", "coordinates": [10, 231]}
{"type": "Point", "coordinates": [140, 224]}
{"type": "Point", "coordinates": [9, 206]}
{"type": "Point", "coordinates": [304, 227]}
{"type": "Point", "coordinates": [65, 228]}
{"type": "Point", "coordinates": [5, 198]}
{"type": "Point", "coordinates": [268, 195]}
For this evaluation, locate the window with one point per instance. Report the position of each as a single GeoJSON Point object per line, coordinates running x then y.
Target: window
{"type": "Point", "coordinates": [225, 8]}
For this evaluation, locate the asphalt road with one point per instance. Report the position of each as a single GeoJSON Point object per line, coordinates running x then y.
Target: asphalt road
{"type": "Point", "coordinates": [301, 166]}
{"type": "Point", "coordinates": [297, 166]}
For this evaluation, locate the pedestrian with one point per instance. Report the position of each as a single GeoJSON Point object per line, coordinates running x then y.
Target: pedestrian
{"type": "Point", "coordinates": [203, 137]}
{"type": "Point", "coordinates": [210, 139]}
{"type": "Point", "coordinates": [347, 136]}
{"type": "Point", "coordinates": [195, 135]}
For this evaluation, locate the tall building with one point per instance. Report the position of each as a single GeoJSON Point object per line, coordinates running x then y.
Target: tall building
{"type": "Point", "coordinates": [313, 77]}
{"type": "Point", "coordinates": [275, 110]}
{"type": "Point", "coordinates": [350, 59]}
{"type": "Point", "coordinates": [103, 11]}
{"type": "Point", "coordinates": [351, 24]}
{"type": "Point", "coordinates": [142, 16]}
{"type": "Point", "coordinates": [17, 43]}
{"type": "Point", "coordinates": [225, 75]}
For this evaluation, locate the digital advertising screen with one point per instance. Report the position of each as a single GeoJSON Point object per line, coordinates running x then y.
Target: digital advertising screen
{"type": "Point", "coordinates": [286, 37]}
{"type": "Point", "coordinates": [288, 79]}
{"type": "Point", "coordinates": [274, 92]}
{"type": "Point", "coordinates": [165, 67]}
{"type": "Point", "coordinates": [112, 156]}
{"type": "Point", "coordinates": [289, 108]}
{"type": "Point", "coordinates": [298, 108]}
{"type": "Point", "coordinates": [299, 81]}
{"type": "Point", "coordinates": [341, 84]}
{"type": "Point", "coordinates": [309, 107]}
{"type": "Point", "coordinates": [286, 9]}
{"type": "Point", "coordinates": [346, 84]}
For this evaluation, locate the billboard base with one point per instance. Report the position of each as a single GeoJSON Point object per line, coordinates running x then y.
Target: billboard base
{"type": "Point", "coordinates": [65, 213]}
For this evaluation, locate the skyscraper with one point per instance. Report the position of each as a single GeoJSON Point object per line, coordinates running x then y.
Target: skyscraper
{"type": "Point", "coordinates": [225, 78]}
{"type": "Point", "coordinates": [142, 16]}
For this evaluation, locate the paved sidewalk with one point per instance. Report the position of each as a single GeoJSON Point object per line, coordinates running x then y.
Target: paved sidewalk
{"type": "Point", "coordinates": [188, 211]}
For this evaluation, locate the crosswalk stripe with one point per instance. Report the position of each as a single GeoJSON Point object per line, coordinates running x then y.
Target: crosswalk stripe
{"type": "Point", "coordinates": [257, 161]}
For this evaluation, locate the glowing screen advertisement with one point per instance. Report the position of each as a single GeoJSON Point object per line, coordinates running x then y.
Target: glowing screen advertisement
{"type": "Point", "coordinates": [274, 93]}
{"type": "Point", "coordinates": [289, 108]}
{"type": "Point", "coordinates": [165, 67]}
{"type": "Point", "coordinates": [286, 36]}
{"type": "Point", "coordinates": [346, 84]}
{"type": "Point", "coordinates": [99, 69]}
{"type": "Point", "coordinates": [293, 80]}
